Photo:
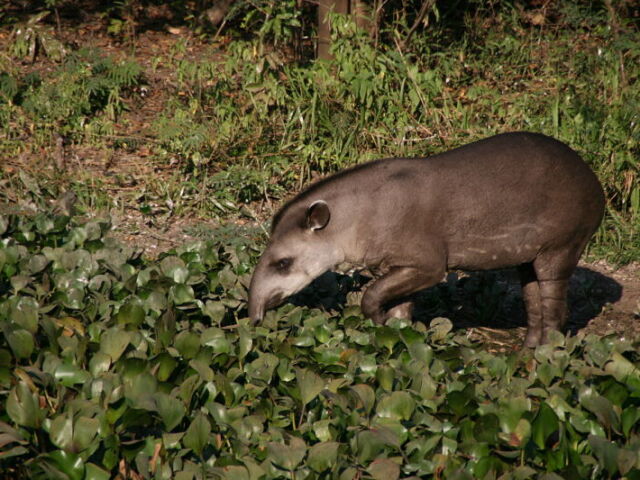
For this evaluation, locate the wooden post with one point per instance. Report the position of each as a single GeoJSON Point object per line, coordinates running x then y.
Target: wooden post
{"type": "Point", "coordinates": [324, 28]}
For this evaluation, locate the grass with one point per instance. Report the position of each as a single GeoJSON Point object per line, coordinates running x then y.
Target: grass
{"type": "Point", "coordinates": [253, 125]}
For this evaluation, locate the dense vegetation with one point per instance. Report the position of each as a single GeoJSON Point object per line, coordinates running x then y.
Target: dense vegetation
{"type": "Point", "coordinates": [112, 363]}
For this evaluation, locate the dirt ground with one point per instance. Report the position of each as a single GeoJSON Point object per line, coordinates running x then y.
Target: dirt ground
{"type": "Point", "coordinates": [603, 299]}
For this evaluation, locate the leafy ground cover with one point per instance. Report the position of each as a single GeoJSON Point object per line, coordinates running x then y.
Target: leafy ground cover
{"type": "Point", "coordinates": [113, 364]}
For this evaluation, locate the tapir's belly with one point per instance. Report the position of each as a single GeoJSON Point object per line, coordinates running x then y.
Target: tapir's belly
{"type": "Point", "coordinates": [501, 248]}
{"type": "Point", "coordinates": [490, 255]}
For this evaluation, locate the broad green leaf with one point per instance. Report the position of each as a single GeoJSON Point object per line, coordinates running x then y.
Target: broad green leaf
{"type": "Point", "coordinates": [198, 433]}
{"type": "Point", "coordinates": [366, 396]}
{"type": "Point", "coordinates": [262, 368]}
{"type": "Point", "coordinates": [397, 406]}
{"type": "Point", "coordinates": [215, 311]}
{"type": "Point", "coordinates": [174, 268]}
{"type": "Point", "coordinates": [323, 456]}
{"type": "Point", "coordinates": [131, 314]}
{"type": "Point", "coordinates": [69, 463]}
{"type": "Point", "coordinates": [606, 452]}
{"type": "Point", "coordinates": [386, 337]}
{"type": "Point", "coordinates": [439, 328]}
{"type": "Point", "coordinates": [61, 432]}
{"type": "Point", "coordinates": [245, 342]}
{"type": "Point", "coordinates": [69, 375]}
{"type": "Point", "coordinates": [170, 409]}
{"type": "Point", "coordinates": [621, 368]}
{"type": "Point", "coordinates": [309, 383]}
{"type": "Point", "coordinates": [188, 344]}
{"type": "Point", "coordinates": [25, 314]}
{"type": "Point", "coordinates": [384, 469]}
{"type": "Point", "coordinates": [114, 341]}
{"type": "Point", "coordinates": [93, 472]}
{"type": "Point", "coordinates": [544, 424]}
{"type": "Point", "coordinates": [85, 430]}
{"type": "Point", "coordinates": [23, 407]}
{"type": "Point", "coordinates": [182, 294]}
{"type": "Point", "coordinates": [20, 341]}
{"type": "Point", "coordinates": [385, 376]}
{"type": "Point", "coordinates": [289, 456]}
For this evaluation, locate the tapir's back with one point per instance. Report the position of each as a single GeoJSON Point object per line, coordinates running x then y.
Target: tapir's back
{"type": "Point", "coordinates": [511, 195]}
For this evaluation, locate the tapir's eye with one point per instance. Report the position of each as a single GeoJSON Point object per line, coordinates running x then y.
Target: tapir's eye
{"type": "Point", "coordinates": [283, 264]}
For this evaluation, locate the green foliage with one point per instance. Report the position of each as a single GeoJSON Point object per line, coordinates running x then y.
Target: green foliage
{"type": "Point", "coordinates": [83, 96]}
{"type": "Point", "coordinates": [257, 111]}
{"type": "Point", "coordinates": [110, 361]}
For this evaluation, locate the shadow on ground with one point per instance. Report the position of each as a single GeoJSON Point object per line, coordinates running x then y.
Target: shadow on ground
{"type": "Point", "coordinates": [477, 300]}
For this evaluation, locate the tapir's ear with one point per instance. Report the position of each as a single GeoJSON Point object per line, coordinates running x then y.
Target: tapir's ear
{"type": "Point", "coordinates": [318, 215]}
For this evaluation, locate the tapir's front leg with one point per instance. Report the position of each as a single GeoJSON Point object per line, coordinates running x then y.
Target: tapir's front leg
{"type": "Point", "coordinates": [397, 283]}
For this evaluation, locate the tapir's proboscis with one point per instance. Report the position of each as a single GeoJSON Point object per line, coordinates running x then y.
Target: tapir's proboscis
{"type": "Point", "coordinates": [513, 200]}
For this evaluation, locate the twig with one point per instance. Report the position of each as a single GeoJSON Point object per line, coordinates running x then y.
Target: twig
{"type": "Point", "coordinates": [424, 9]}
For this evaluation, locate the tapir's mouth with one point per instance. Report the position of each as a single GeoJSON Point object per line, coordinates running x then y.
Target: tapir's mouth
{"type": "Point", "coordinates": [275, 300]}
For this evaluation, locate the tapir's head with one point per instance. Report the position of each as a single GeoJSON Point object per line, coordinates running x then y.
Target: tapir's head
{"type": "Point", "coordinates": [304, 244]}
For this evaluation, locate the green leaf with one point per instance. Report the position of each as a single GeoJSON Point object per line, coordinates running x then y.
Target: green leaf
{"type": "Point", "coordinates": [323, 456]}
{"type": "Point", "coordinates": [440, 328]}
{"type": "Point", "coordinates": [170, 409]}
{"type": "Point", "coordinates": [215, 311]}
{"type": "Point", "coordinates": [114, 341]}
{"type": "Point", "coordinates": [25, 314]}
{"type": "Point", "coordinates": [131, 314]}
{"type": "Point", "coordinates": [629, 418]}
{"type": "Point", "coordinates": [544, 424]}
{"type": "Point", "coordinates": [85, 431]}
{"type": "Point", "coordinates": [188, 344]}
{"type": "Point", "coordinates": [61, 431]}
{"type": "Point", "coordinates": [197, 435]}
{"type": "Point", "coordinates": [397, 406]}
{"type": "Point", "coordinates": [621, 368]}
{"type": "Point", "coordinates": [245, 342]}
{"type": "Point", "coordinates": [309, 383]}
{"type": "Point", "coordinates": [606, 452]}
{"type": "Point", "coordinates": [20, 341]}
{"type": "Point", "coordinates": [69, 375]}
{"type": "Point", "coordinates": [69, 463]}
{"type": "Point", "coordinates": [216, 339]}
{"type": "Point", "coordinates": [384, 469]}
{"type": "Point", "coordinates": [511, 411]}
{"type": "Point", "coordinates": [93, 472]}
{"type": "Point", "coordinates": [385, 376]}
{"type": "Point", "coordinates": [366, 397]}
{"type": "Point", "coordinates": [23, 407]}
{"type": "Point", "coordinates": [182, 294]}
{"type": "Point", "coordinates": [601, 407]}
{"type": "Point", "coordinates": [386, 337]}
{"type": "Point", "coordinates": [174, 268]}
{"type": "Point", "coordinates": [370, 444]}
{"type": "Point", "coordinates": [262, 368]}
{"type": "Point", "coordinates": [289, 456]}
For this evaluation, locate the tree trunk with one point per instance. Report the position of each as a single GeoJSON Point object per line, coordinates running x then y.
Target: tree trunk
{"type": "Point", "coordinates": [324, 27]}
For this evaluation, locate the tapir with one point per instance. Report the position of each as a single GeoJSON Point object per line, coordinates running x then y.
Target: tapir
{"type": "Point", "coordinates": [518, 199]}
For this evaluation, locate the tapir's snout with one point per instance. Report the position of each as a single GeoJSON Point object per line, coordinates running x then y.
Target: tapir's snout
{"type": "Point", "coordinates": [264, 292]}
{"type": "Point", "coordinates": [258, 304]}
{"type": "Point", "coordinates": [256, 309]}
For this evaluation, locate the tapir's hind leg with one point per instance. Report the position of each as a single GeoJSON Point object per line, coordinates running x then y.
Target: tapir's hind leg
{"type": "Point", "coordinates": [553, 270]}
{"type": "Point", "coordinates": [399, 282]}
{"type": "Point", "coordinates": [532, 304]}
